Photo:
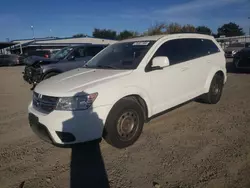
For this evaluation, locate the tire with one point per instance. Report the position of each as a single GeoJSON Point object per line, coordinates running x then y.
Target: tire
{"type": "Point", "coordinates": [50, 75]}
{"type": "Point", "coordinates": [124, 123]}
{"type": "Point", "coordinates": [215, 90]}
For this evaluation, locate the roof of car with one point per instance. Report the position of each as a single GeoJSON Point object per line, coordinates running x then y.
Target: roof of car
{"type": "Point", "coordinates": [157, 37]}
{"type": "Point", "coordinates": [86, 45]}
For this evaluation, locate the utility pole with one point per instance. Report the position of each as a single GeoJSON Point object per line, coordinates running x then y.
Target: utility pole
{"type": "Point", "coordinates": [249, 27]}
{"type": "Point", "coordinates": [33, 33]}
{"type": "Point", "coordinates": [50, 30]}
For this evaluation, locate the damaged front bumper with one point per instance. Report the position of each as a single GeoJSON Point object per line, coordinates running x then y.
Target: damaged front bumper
{"type": "Point", "coordinates": [32, 75]}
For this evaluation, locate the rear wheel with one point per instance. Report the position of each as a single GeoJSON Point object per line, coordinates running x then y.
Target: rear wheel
{"type": "Point", "coordinates": [50, 75]}
{"type": "Point", "coordinates": [124, 123]}
{"type": "Point", "coordinates": [215, 90]}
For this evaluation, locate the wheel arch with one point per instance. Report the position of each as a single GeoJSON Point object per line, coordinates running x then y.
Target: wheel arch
{"type": "Point", "coordinates": [141, 102]}
{"type": "Point", "coordinates": [211, 75]}
{"type": "Point", "coordinates": [140, 97]}
{"type": "Point", "coordinates": [51, 71]}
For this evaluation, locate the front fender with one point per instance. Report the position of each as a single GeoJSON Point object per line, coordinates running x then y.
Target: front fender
{"type": "Point", "coordinates": [132, 90]}
{"type": "Point", "coordinates": [46, 71]}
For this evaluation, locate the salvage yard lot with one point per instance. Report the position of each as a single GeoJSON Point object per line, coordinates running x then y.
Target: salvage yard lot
{"type": "Point", "coordinates": [196, 145]}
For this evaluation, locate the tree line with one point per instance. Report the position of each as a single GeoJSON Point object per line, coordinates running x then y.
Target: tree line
{"type": "Point", "coordinates": [230, 29]}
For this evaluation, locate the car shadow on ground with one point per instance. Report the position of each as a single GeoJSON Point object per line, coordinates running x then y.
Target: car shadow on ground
{"type": "Point", "coordinates": [87, 168]}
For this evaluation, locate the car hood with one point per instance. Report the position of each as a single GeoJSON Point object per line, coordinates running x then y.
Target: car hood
{"type": "Point", "coordinates": [31, 60]}
{"type": "Point", "coordinates": [77, 80]}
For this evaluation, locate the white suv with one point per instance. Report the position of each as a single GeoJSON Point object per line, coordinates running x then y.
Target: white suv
{"type": "Point", "coordinates": [125, 85]}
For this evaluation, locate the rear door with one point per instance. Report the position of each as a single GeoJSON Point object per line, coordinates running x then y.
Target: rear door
{"type": "Point", "coordinates": [197, 65]}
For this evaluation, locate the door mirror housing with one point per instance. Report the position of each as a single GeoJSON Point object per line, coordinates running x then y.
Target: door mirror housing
{"type": "Point", "coordinates": [160, 62]}
{"type": "Point", "coordinates": [71, 58]}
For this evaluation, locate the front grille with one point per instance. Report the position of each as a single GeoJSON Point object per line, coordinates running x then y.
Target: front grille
{"type": "Point", "coordinates": [44, 103]}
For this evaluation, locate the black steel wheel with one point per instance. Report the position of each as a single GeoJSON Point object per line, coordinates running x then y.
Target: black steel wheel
{"type": "Point", "coordinates": [124, 123]}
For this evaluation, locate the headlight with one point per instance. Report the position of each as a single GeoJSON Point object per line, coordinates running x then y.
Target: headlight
{"type": "Point", "coordinates": [76, 103]}
{"type": "Point", "coordinates": [234, 52]}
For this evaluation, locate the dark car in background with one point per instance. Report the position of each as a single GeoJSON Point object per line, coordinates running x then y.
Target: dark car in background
{"type": "Point", "coordinates": [11, 60]}
{"type": "Point", "coordinates": [41, 53]}
{"type": "Point", "coordinates": [242, 60]}
{"type": "Point", "coordinates": [39, 68]}
{"type": "Point", "coordinates": [232, 49]}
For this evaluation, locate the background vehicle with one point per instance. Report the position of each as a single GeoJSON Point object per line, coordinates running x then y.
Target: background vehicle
{"type": "Point", "coordinates": [232, 49]}
{"type": "Point", "coordinates": [40, 53]}
{"type": "Point", "coordinates": [68, 58]}
{"type": "Point", "coordinates": [53, 52]}
{"type": "Point", "coordinates": [242, 59]}
{"type": "Point", "coordinates": [125, 85]}
{"type": "Point", "coordinates": [11, 60]}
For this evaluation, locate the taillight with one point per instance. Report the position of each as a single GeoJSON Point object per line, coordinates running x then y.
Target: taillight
{"type": "Point", "coordinates": [46, 55]}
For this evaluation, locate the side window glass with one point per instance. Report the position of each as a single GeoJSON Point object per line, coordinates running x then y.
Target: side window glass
{"type": "Point", "coordinates": [181, 50]}
{"type": "Point", "coordinates": [209, 47]}
{"type": "Point", "coordinates": [79, 52]}
{"type": "Point", "coordinates": [194, 48]}
{"type": "Point", "coordinates": [92, 51]}
{"type": "Point", "coordinates": [174, 50]}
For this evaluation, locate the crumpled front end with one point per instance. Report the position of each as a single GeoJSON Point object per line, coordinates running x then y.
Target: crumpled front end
{"type": "Point", "coordinates": [32, 75]}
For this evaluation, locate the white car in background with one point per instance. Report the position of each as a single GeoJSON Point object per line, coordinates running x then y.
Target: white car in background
{"type": "Point", "coordinates": [124, 86]}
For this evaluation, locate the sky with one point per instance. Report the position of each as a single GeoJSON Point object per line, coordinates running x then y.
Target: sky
{"type": "Point", "coordinates": [63, 18]}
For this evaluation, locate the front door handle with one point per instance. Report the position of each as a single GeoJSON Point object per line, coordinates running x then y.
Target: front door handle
{"type": "Point", "coordinates": [184, 68]}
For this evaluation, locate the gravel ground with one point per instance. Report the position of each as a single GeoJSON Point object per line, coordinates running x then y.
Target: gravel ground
{"type": "Point", "coordinates": [196, 145]}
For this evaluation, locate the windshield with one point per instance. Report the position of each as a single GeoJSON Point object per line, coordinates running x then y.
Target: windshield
{"type": "Point", "coordinates": [61, 54]}
{"type": "Point", "coordinates": [126, 55]}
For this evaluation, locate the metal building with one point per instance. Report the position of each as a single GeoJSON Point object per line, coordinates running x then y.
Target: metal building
{"type": "Point", "coordinates": [26, 45]}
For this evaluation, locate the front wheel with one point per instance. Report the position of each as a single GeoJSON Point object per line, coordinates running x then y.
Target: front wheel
{"type": "Point", "coordinates": [124, 123]}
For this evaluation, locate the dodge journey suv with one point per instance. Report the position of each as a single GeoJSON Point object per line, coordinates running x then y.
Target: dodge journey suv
{"type": "Point", "coordinates": [124, 86]}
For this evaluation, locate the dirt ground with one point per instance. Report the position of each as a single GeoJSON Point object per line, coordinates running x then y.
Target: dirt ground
{"type": "Point", "coordinates": [196, 145]}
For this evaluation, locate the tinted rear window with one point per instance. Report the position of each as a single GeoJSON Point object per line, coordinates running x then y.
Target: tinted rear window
{"type": "Point", "coordinates": [181, 50]}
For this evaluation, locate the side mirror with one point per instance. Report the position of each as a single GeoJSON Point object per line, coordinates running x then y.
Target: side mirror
{"type": "Point", "coordinates": [160, 62]}
{"type": "Point", "coordinates": [71, 58]}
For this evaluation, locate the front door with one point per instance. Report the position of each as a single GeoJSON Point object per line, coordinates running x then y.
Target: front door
{"type": "Point", "coordinates": [171, 85]}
